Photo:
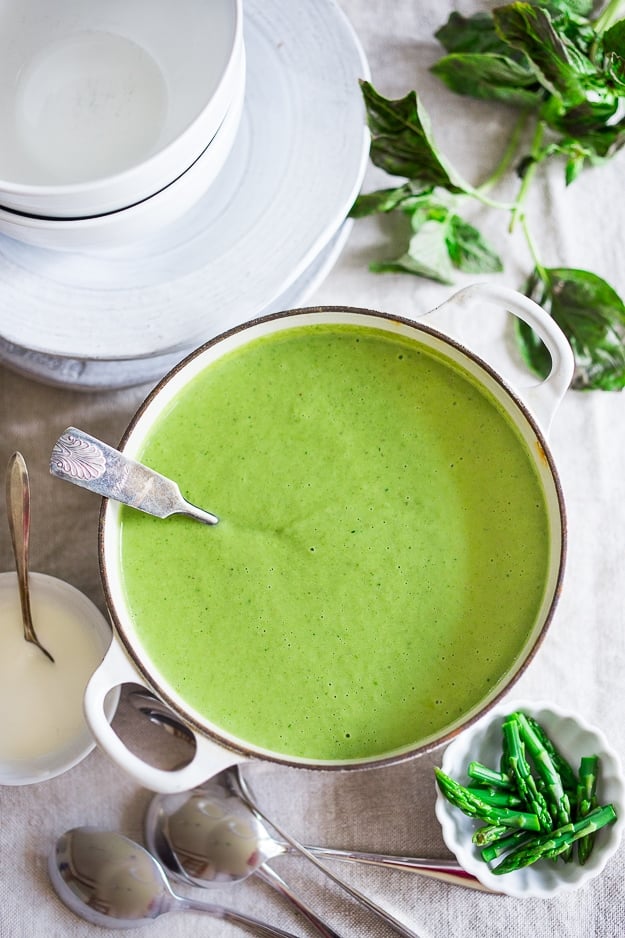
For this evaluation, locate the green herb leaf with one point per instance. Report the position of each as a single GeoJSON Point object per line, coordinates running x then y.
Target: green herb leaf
{"type": "Point", "coordinates": [490, 77]}
{"type": "Point", "coordinates": [591, 315]}
{"type": "Point", "coordinates": [595, 147]}
{"type": "Point", "coordinates": [401, 142]}
{"type": "Point", "coordinates": [570, 7]}
{"type": "Point", "coordinates": [471, 34]}
{"type": "Point", "coordinates": [559, 66]}
{"type": "Point", "coordinates": [566, 72]}
{"type": "Point", "coordinates": [442, 241]}
{"type": "Point", "coordinates": [613, 39]}
{"type": "Point", "coordinates": [469, 250]}
{"type": "Point", "coordinates": [427, 255]}
{"type": "Point", "coordinates": [387, 200]}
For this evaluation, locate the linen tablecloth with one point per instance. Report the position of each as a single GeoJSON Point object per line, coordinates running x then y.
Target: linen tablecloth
{"type": "Point", "coordinates": [579, 666]}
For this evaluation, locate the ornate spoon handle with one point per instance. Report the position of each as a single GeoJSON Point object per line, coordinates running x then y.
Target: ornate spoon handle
{"type": "Point", "coordinates": [83, 460]}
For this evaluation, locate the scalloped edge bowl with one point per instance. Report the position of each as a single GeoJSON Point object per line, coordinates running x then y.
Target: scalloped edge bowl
{"type": "Point", "coordinates": [574, 737]}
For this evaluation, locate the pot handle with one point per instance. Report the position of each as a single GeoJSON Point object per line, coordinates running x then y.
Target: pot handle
{"type": "Point", "coordinates": [544, 398]}
{"type": "Point", "coordinates": [209, 757]}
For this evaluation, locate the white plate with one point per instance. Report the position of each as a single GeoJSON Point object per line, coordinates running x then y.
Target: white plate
{"type": "Point", "coordinates": [296, 167]}
{"type": "Point", "coordinates": [100, 374]}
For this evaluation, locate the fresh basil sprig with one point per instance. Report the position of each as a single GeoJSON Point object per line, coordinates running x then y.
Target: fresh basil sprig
{"type": "Point", "coordinates": [561, 70]}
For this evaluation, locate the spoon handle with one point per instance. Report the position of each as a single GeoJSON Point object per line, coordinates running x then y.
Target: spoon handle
{"type": "Point", "coordinates": [18, 508]}
{"type": "Point", "coordinates": [83, 460]}
{"type": "Point", "coordinates": [272, 879]}
{"type": "Point", "coordinates": [448, 871]}
{"type": "Point", "coordinates": [230, 915]}
{"type": "Point", "coordinates": [356, 894]}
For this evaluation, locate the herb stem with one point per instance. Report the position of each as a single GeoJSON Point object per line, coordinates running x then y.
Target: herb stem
{"type": "Point", "coordinates": [480, 195]}
{"type": "Point", "coordinates": [508, 155]}
{"type": "Point", "coordinates": [518, 210]}
{"type": "Point", "coordinates": [608, 17]}
{"type": "Point", "coordinates": [540, 269]}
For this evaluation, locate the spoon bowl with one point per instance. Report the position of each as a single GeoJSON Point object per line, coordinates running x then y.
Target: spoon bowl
{"type": "Point", "coordinates": [111, 881]}
{"type": "Point", "coordinates": [207, 836]}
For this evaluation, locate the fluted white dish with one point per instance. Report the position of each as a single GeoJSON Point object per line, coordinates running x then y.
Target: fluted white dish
{"type": "Point", "coordinates": [294, 171]}
{"type": "Point", "coordinates": [103, 104]}
{"type": "Point", "coordinates": [143, 218]}
{"type": "Point", "coordinates": [574, 738]}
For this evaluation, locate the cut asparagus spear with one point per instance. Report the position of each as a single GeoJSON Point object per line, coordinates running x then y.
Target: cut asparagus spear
{"type": "Point", "coordinates": [521, 772]}
{"type": "Point", "coordinates": [469, 804]}
{"type": "Point", "coordinates": [556, 842]}
{"type": "Point", "coordinates": [586, 801]}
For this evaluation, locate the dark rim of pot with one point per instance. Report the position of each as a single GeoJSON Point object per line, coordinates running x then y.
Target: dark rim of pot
{"type": "Point", "coordinates": [393, 758]}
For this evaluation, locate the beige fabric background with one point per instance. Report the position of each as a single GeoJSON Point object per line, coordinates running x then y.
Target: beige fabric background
{"type": "Point", "coordinates": [580, 664]}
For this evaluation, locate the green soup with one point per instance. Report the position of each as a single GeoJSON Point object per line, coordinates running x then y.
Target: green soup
{"type": "Point", "coordinates": [381, 556]}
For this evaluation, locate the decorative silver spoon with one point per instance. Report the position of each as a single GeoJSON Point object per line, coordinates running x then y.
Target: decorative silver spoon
{"type": "Point", "coordinates": [83, 460]}
{"type": "Point", "coordinates": [108, 880]}
{"type": "Point", "coordinates": [18, 509]}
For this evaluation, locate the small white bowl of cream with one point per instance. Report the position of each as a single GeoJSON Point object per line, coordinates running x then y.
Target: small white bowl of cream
{"type": "Point", "coordinates": [44, 732]}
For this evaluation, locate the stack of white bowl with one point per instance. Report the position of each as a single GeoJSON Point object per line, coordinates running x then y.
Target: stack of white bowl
{"type": "Point", "coordinates": [115, 117]}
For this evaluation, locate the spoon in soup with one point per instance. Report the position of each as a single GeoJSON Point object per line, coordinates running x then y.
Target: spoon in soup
{"type": "Point", "coordinates": [108, 880]}
{"type": "Point", "coordinates": [162, 806]}
{"type": "Point", "coordinates": [82, 459]}
{"type": "Point", "coordinates": [18, 508]}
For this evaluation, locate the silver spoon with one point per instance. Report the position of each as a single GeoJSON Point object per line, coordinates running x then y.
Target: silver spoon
{"type": "Point", "coordinates": [181, 831]}
{"type": "Point", "coordinates": [233, 782]}
{"type": "Point", "coordinates": [82, 459]}
{"type": "Point", "coordinates": [108, 880]}
{"type": "Point", "coordinates": [205, 840]}
{"type": "Point", "coordinates": [162, 806]}
{"type": "Point", "coordinates": [18, 509]}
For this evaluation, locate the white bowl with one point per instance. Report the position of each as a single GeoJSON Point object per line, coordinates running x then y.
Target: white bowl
{"type": "Point", "coordinates": [103, 104]}
{"type": "Point", "coordinates": [143, 218]}
{"type": "Point", "coordinates": [46, 733]}
{"type": "Point", "coordinates": [574, 738]}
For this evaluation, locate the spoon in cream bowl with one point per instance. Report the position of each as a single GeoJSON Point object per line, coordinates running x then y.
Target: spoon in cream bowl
{"type": "Point", "coordinates": [111, 881]}
{"type": "Point", "coordinates": [18, 508]}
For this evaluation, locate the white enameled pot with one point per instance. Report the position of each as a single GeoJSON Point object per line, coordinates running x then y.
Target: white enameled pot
{"type": "Point", "coordinates": [127, 662]}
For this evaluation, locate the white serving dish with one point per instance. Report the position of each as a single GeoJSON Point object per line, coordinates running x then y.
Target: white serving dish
{"type": "Point", "coordinates": [103, 104]}
{"type": "Point", "coordinates": [143, 218]}
{"type": "Point", "coordinates": [574, 737]}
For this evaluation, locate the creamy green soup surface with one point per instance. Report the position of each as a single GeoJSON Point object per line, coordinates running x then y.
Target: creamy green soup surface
{"type": "Point", "coordinates": [381, 555]}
